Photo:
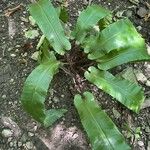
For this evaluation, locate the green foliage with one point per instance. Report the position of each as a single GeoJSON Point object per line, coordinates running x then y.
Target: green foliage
{"type": "Point", "coordinates": [87, 19]}
{"type": "Point", "coordinates": [110, 45]}
{"type": "Point", "coordinates": [117, 88]}
{"type": "Point", "coordinates": [35, 91]}
{"type": "Point", "coordinates": [47, 19]}
{"type": "Point", "coordinates": [101, 130]}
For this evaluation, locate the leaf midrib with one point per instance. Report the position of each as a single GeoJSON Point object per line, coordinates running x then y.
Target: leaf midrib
{"type": "Point", "coordinates": [99, 126]}
{"type": "Point", "coordinates": [43, 11]}
{"type": "Point", "coordinates": [35, 89]}
{"type": "Point", "coordinates": [119, 90]}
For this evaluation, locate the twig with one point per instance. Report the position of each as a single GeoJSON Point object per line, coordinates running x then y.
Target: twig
{"type": "Point", "coordinates": [10, 11]}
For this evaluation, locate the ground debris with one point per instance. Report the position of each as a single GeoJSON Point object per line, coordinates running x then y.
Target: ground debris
{"type": "Point", "coordinates": [10, 11]}
{"type": "Point", "coordinates": [8, 122]}
{"type": "Point", "coordinates": [136, 2]}
{"type": "Point", "coordinates": [146, 104]}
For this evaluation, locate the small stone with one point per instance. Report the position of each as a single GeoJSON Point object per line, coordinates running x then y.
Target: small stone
{"type": "Point", "coordinates": [24, 19]}
{"type": "Point", "coordinates": [9, 123]}
{"type": "Point", "coordinates": [25, 54]}
{"type": "Point", "coordinates": [147, 83]}
{"type": "Point", "coordinates": [128, 13]}
{"type": "Point", "coordinates": [9, 139]}
{"type": "Point", "coordinates": [148, 145]}
{"type": "Point", "coordinates": [11, 80]}
{"type": "Point", "coordinates": [35, 55]}
{"type": "Point", "coordinates": [116, 113]}
{"type": "Point", "coordinates": [24, 138]}
{"type": "Point", "coordinates": [142, 12]}
{"type": "Point", "coordinates": [56, 100]}
{"type": "Point", "coordinates": [11, 144]}
{"type": "Point", "coordinates": [146, 104]}
{"type": "Point", "coordinates": [140, 143]}
{"type": "Point", "coordinates": [140, 76]}
{"type": "Point", "coordinates": [3, 96]}
{"type": "Point", "coordinates": [35, 128]}
{"type": "Point", "coordinates": [30, 134]}
{"type": "Point", "coordinates": [139, 28]}
{"type": "Point", "coordinates": [147, 129]}
{"type": "Point", "coordinates": [10, 49]}
{"type": "Point", "coordinates": [19, 144]}
{"type": "Point", "coordinates": [29, 145]}
{"type": "Point", "coordinates": [7, 133]}
{"type": "Point", "coordinates": [148, 49]}
{"type": "Point", "coordinates": [13, 55]}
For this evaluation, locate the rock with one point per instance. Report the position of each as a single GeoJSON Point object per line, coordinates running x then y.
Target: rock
{"type": "Point", "coordinates": [55, 99]}
{"type": "Point", "coordinates": [29, 145]}
{"type": "Point", "coordinates": [13, 55]}
{"type": "Point", "coordinates": [8, 122]}
{"type": "Point", "coordinates": [148, 49]}
{"type": "Point", "coordinates": [148, 145]}
{"type": "Point", "coordinates": [30, 134]}
{"type": "Point", "coordinates": [116, 113]}
{"type": "Point", "coordinates": [147, 83]}
{"type": "Point", "coordinates": [142, 12]}
{"type": "Point", "coordinates": [147, 129]}
{"type": "Point", "coordinates": [140, 76]}
{"type": "Point", "coordinates": [35, 55]}
{"type": "Point", "coordinates": [7, 133]}
{"type": "Point", "coordinates": [128, 13]}
{"type": "Point", "coordinates": [3, 96]}
{"type": "Point", "coordinates": [19, 144]}
{"type": "Point", "coordinates": [139, 28]}
{"type": "Point", "coordinates": [24, 138]}
{"type": "Point", "coordinates": [146, 104]}
{"type": "Point", "coordinates": [140, 143]}
{"type": "Point", "coordinates": [11, 144]}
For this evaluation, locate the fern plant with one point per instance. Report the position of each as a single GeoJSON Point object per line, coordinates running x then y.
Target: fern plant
{"type": "Point", "coordinates": [106, 44]}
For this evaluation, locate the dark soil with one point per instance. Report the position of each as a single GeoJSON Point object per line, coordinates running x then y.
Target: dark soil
{"type": "Point", "coordinates": [67, 133]}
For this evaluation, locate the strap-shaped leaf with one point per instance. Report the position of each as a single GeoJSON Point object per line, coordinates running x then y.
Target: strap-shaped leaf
{"type": "Point", "coordinates": [87, 19]}
{"type": "Point", "coordinates": [102, 132]}
{"type": "Point", "coordinates": [120, 57]}
{"type": "Point", "coordinates": [126, 92]}
{"type": "Point", "coordinates": [47, 18]}
{"type": "Point", "coordinates": [117, 36]}
{"type": "Point", "coordinates": [35, 91]}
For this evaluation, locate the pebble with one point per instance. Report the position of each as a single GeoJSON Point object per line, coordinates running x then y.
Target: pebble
{"type": "Point", "coordinates": [7, 133]}
{"type": "Point", "coordinates": [9, 123]}
{"type": "Point", "coordinates": [141, 77]}
{"type": "Point", "coordinates": [140, 143]}
{"type": "Point", "coordinates": [35, 55]}
{"type": "Point", "coordinates": [30, 134]}
{"type": "Point", "coordinates": [142, 12]}
{"type": "Point", "coordinates": [147, 83]}
{"type": "Point", "coordinates": [147, 129]}
{"type": "Point", "coordinates": [56, 100]}
{"type": "Point", "coordinates": [11, 80]}
{"type": "Point", "coordinates": [148, 49]}
{"type": "Point", "coordinates": [29, 145]}
{"type": "Point", "coordinates": [13, 55]}
{"type": "Point", "coordinates": [148, 146]}
{"type": "Point", "coordinates": [3, 96]}
{"type": "Point", "coordinates": [19, 144]}
{"type": "Point", "coordinates": [11, 144]}
{"type": "Point", "coordinates": [128, 13]}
